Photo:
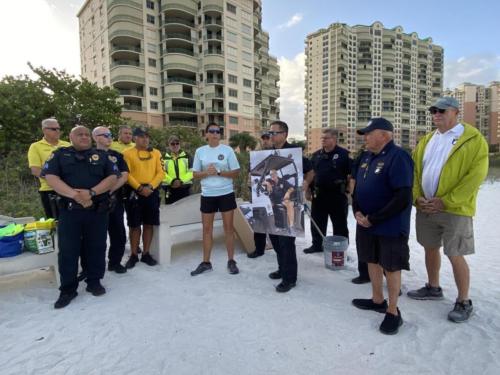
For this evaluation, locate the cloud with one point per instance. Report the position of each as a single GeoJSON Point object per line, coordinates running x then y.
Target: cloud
{"type": "Point", "coordinates": [292, 75]}
{"type": "Point", "coordinates": [478, 69]}
{"type": "Point", "coordinates": [294, 20]}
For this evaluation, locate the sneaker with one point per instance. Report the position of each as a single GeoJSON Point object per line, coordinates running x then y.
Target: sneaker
{"type": "Point", "coordinates": [232, 267]}
{"type": "Point", "coordinates": [426, 292]}
{"type": "Point", "coordinates": [64, 299]}
{"type": "Point", "coordinates": [391, 323]}
{"type": "Point", "coordinates": [148, 259]}
{"type": "Point", "coordinates": [255, 254]}
{"type": "Point", "coordinates": [360, 280]}
{"type": "Point", "coordinates": [368, 304]}
{"type": "Point", "coordinates": [118, 268]}
{"type": "Point", "coordinates": [132, 260]}
{"type": "Point", "coordinates": [284, 287]}
{"type": "Point", "coordinates": [312, 250]}
{"type": "Point", "coordinates": [276, 275]}
{"type": "Point", "coordinates": [461, 312]}
{"type": "Point", "coordinates": [202, 267]}
{"type": "Point", "coordinates": [96, 289]}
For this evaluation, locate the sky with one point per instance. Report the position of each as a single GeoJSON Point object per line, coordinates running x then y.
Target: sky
{"type": "Point", "coordinates": [467, 30]}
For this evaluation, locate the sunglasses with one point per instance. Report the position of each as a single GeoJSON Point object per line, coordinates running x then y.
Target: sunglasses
{"type": "Point", "coordinates": [149, 157]}
{"type": "Point", "coordinates": [271, 133]}
{"type": "Point", "coordinates": [54, 129]}
{"type": "Point", "coordinates": [107, 135]}
{"type": "Point", "coordinates": [437, 110]}
{"type": "Point", "coordinates": [213, 131]}
{"type": "Point", "coordinates": [174, 144]}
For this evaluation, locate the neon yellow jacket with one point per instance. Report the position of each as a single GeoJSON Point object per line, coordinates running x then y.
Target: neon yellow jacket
{"type": "Point", "coordinates": [177, 168]}
{"type": "Point", "coordinates": [462, 174]}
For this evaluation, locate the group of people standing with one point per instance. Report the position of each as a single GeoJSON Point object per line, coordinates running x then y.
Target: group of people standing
{"type": "Point", "coordinates": [91, 188]}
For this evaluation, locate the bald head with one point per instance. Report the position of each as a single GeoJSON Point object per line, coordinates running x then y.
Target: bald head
{"type": "Point", "coordinates": [80, 138]}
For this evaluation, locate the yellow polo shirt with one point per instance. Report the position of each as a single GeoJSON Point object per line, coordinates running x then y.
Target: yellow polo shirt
{"type": "Point", "coordinates": [39, 152]}
{"type": "Point", "coordinates": [121, 147]}
{"type": "Point", "coordinates": [144, 167]}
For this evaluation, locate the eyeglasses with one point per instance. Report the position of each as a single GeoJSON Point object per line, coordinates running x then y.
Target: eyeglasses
{"type": "Point", "coordinates": [271, 133]}
{"type": "Point", "coordinates": [174, 144]}
{"type": "Point", "coordinates": [54, 129]}
{"type": "Point", "coordinates": [213, 131]}
{"type": "Point", "coordinates": [437, 110]}
{"type": "Point", "coordinates": [107, 135]}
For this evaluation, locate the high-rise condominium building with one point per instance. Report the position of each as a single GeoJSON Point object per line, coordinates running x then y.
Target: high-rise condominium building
{"type": "Point", "coordinates": [480, 106]}
{"type": "Point", "coordinates": [183, 62]}
{"type": "Point", "coordinates": [357, 72]}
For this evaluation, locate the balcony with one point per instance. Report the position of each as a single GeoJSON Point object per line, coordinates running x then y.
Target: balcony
{"type": "Point", "coordinates": [188, 6]}
{"type": "Point", "coordinates": [177, 20]}
{"type": "Point", "coordinates": [181, 80]}
{"type": "Point", "coordinates": [183, 51]}
{"type": "Point", "coordinates": [214, 95]}
{"type": "Point", "coordinates": [115, 48]}
{"type": "Point", "coordinates": [130, 92]}
{"type": "Point", "coordinates": [183, 62]}
{"type": "Point", "coordinates": [124, 18]}
{"type": "Point", "coordinates": [219, 81]}
{"type": "Point", "coordinates": [215, 110]}
{"type": "Point", "coordinates": [213, 52]}
{"type": "Point", "coordinates": [133, 107]}
{"type": "Point", "coordinates": [125, 30]}
{"type": "Point", "coordinates": [127, 62]}
{"type": "Point", "coordinates": [181, 108]}
{"type": "Point", "coordinates": [210, 60]}
{"type": "Point", "coordinates": [131, 3]}
{"type": "Point", "coordinates": [187, 37]}
{"type": "Point", "coordinates": [181, 95]}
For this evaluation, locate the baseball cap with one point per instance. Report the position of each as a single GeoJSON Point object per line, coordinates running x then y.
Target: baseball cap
{"type": "Point", "coordinates": [446, 102]}
{"type": "Point", "coordinates": [377, 123]}
{"type": "Point", "coordinates": [139, 132]}
{"type": "Point", "coordinates": [173, 138]}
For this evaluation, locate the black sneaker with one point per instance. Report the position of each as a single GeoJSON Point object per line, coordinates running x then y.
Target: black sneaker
{"type": "Point", "coordinates": [312, 250]}
{"type": "Point", "coordinates": [118, 268]}
{"type": "Point", "coordinates": [255, 254]}
{"type": "Point", "coordinates": [132, 260]}
{"type": "Point", "coordinates": [360, 280]}
{"type": "Point", "coordinates": [276, 275]}
{"type": "Point", "coordinates": [368, 304]}
{"type": "Point", "coordinates": [202, 267]}
{"type": "Point", "coordinates": [391, 323]}
{"type": "Point", "coordinates": [96, 289]}
{"type": "Point", "coordinates": [232, 267]}
{"type": "Point", "coordinates": [461, 312]}
{"type": "Point", "coordinates": [427, 292]}
{"type": "Point", "coordinates": [148, 259]}
{"type": "Point", "coordinates": [64, 299]}
{"type": "Point", "coordinates": [284, 287]}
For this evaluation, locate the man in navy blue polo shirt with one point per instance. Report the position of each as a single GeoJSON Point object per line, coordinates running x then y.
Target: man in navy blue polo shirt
{"type": "Point", "coordinates": [382, 207]}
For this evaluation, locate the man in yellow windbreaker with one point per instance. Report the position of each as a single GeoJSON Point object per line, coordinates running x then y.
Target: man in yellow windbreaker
{"type": "Point", "coordinates": [178, 175]}
{"type": "Point", "coordinates": [124, 141]}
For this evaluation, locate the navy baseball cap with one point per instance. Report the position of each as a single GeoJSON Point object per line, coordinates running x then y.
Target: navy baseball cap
{"type": "Point", "coordinates": [139, 132]}
{"type": "Point", "coordinates": [376, 123]}
{"type": "Point", "coordinates": [446, 102]}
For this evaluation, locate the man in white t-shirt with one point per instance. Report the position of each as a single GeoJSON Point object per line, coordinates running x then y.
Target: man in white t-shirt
{"type": "Point", "coordinates": [450, 165]}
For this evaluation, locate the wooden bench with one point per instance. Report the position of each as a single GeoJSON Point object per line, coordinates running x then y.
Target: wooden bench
{"type": "Point", "coordinates": [181, 222]}
{"type": "Point", "coordinates": [27, 261]}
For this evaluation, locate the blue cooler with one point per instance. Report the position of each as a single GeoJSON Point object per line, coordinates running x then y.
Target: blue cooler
{"type": "Point", "coordinates": [11, 245]}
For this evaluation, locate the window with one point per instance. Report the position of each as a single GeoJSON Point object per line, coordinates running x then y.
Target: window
{"type": "Point", "coordinates": [151, 47]}
{"type": "Point", "coordinates": [104, 80]}
{"type": "Point", "coordinates": [247, 56]}
{"type": "Point", "coordinates": [150, 4]}
{"type": "Point", "coordinates": [247, 96]}
{"type": "Point", "coordinates": [233, 120]}
{"type": "Point", "coordinates": [231, 8]}
{"type": "Point", "coordinates": [246, 16]}
{"type": "Point", "coordinates": [232, 37]}
{"type": "Point", "coordinates": [231, 51]}
{"type": "Point", "coordinates": [152, 62]}
{"type": "Point", "coordinates": [247, 43]}
{"type": "Point", "coordinates": [232, 65]}
{"type": "Point", "coordinates": [247, 70]}
{"type": "Point", "coordinates": [245, 29]}
{"type": "Point", "coordinates": [153, 105]}
{"type": "Point", "coordinates": [233, 106]}
{"type": "Point", "coordinates": [248, 109]}
{"type": "Point", "coordinates": [233, 93]}
{"type": "Point", "coordinates": [231, 22]}
{"type": "Point", "coordinates": [150, 18]}
{"type": "Point", "coordinates": [247, 83]}
{"type": "Point", "coordinates": [232, 79]}
{"type": "Point", "coordinates": [153, 91]}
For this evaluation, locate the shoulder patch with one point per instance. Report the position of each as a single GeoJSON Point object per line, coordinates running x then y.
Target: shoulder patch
{"type": "Point", "coordinates": [95, 157]}
{"type": "Point", "coordinates": [112, 158]}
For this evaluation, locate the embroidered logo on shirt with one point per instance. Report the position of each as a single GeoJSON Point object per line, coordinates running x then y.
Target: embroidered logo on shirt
{"type": "Point", "coordinates": [112, 158]}
{"type": "Point", "coordinates": [336, 156]}
{"type": "Point", "coordinates": [95, 157]}
{"type": "Point", "coordinates": [379, 167]}
{"type": "Point", "coordinates": [220, 157]}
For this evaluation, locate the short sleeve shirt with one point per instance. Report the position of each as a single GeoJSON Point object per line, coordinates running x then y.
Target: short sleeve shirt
{"type": "Point", "coordinates": [224, 159]}
{"type": "Point", "coordinates": [330, 168]}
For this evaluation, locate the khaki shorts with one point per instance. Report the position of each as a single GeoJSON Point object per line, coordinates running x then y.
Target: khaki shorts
{"type": "Point", "coordinates": [453, 232]}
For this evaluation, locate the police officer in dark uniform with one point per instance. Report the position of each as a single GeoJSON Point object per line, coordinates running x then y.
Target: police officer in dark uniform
{"type": "Point", "coordinates": [332, 168]}
{"type": "Point", "coordinates": [116, 227]}
{"type": "Point", "coordinates": [82, 177]}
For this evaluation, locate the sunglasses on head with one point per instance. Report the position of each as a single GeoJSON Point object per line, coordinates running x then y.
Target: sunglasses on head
{"type": "Point", "coordinates": [271, 133]}
{"type": "Point", "coordinates": [174, 144]}
{"type": "Point", "coordinates": [106, 135]}
{"type": "Point", "coordinates": [54, 129]}
{"type": "Point", "coordinates": [437, 110]}
{"type": "Point", "coordinates": [214, 131]}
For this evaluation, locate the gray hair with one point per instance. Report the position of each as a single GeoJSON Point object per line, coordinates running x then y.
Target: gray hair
{"type": "Point", "coordinates": [95, 130]}
{"type": "Point", "coordinates": [49, 121]}
{"type": "Point", "coordinates": [123, 127]}
{"type": "Point", "coordinates": [331, 132]}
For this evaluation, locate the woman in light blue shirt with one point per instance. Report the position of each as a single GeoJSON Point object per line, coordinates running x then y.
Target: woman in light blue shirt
{"type": "Point", "coordinates": [216, 165]}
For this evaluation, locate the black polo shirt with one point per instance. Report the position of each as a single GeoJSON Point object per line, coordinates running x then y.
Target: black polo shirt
{"type": "Point", "coordinates": [331, 168]}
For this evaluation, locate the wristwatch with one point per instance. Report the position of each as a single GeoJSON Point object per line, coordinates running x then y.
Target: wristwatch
{"type": "Point", "coordinates": [92, 193]}
{"type": "Point", "coordinates": [218, 173]}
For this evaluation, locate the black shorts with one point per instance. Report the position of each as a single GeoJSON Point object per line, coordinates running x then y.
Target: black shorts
{"type": "Point", "coordinates": [222, 203]}
{"type": "Point", "coordinates": [391, 253]}
{"type": "Point", "coordinates": [144, 210]}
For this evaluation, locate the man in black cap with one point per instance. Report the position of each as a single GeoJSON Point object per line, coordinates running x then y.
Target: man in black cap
{"type": "Point", "coordinates": [382, 208]}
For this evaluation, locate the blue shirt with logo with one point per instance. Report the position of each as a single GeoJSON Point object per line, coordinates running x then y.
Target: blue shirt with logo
{"type": "Point", "coordinates": [378, 177]}
{"type": "Point", "coordinates": [224, 159]}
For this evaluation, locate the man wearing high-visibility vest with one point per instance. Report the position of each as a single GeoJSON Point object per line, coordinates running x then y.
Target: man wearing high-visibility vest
{"type": "Point", "coordinates": [178, 175]}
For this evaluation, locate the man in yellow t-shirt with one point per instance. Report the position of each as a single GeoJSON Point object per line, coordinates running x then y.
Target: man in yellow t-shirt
{"type": "Point", "coordinates": [124, 141]}
{"type": "Point", "coordinates": [143, 203]}
{"type": "Point", "coordinates": [38, 154]}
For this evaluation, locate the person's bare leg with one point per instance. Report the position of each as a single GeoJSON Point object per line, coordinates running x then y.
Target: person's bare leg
{"type": "Point", "coordinates": [290, 212]}
{"type": "Point", "coordinates": [462, 276]}
{"type": "Point", "coordinates": [147, 237]}
{"type": "Point", "coordinates": [433, 265]}
{"type": "Point", "coordinates": [135, 238]}
{"type": "Point", "coordinates": [376, 276]}
{"type": "Point", "coordinates": [208, 226]}
{"type": "Point", "coordinates": [394, 286]}
{"type": "Point", "coordinates": [227, 220]}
